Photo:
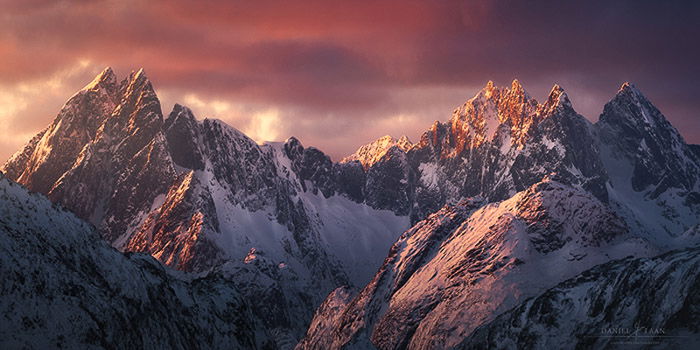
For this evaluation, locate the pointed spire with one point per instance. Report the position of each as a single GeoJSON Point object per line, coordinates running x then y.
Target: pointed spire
{"type": "Point", "coordinates": [630, 103]}
{"type": "Point", "coordinates": [557, 100]}
{"type": "Point", "coordinates": [518, 90]}
{"type": "Point", "coordinates": [179, 111]}
{"type": "Point", "coordinates": [138, 76]}
{"type": "Point", "coordinates": [516, 86]}
{"type": "Point", "coordinates": [627, 86]}
{"type": "Point", "coordinates": [489, 89]}
{"type": "Point", "coordinates": [404, 138]}
{"type": "Point", "coordinates": [104, 79]}
{"type": "Point", "coordinates": [137, 82]}
{"type": "Point", "coordinates": [629, 91]}
{"type": "Point", "coordinates": [558, 96]}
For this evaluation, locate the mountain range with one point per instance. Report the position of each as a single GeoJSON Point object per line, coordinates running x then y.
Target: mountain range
{"type": "Point", "coordinates": [509, 205]}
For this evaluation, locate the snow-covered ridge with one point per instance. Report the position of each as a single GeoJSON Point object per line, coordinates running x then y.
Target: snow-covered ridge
{"type": "Point", "coordinates": [463, 266]}
{"type": "Point", "coordinates": [631, 302]}
{"type": "Point", "coordinates": [64, 287]}
{"type": "Point", "coordinates": [372, 152]}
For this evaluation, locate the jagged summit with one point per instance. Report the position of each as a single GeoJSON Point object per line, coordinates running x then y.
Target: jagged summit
{"type": "Point", "coordinates": [631, 106]}
{"type": "Point", "coordinates": [517, 88]}
{"type": "Point", "coordinates": [105, 78]}
{"type": "Point", "coordinates": [628, 87]}
{"type": "Point", "coordinates": [557, 99]}
{"type": "Point", "coordinates": [180, 111]}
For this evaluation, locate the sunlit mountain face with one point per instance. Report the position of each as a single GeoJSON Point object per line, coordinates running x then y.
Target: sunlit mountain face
{"type": "Point", "coordinates": [311, 176]}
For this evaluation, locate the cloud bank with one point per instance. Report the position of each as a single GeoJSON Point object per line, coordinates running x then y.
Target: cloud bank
{"type": "Point", "coordinates": [339, 74]}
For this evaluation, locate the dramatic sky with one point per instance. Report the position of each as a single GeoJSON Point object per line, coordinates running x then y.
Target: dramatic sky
{"type": "Point", "coordinates": [339, 74]}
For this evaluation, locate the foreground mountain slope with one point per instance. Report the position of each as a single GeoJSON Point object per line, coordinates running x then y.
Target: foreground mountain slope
{"type": "Point", "coordinates": [644, 303]}
{"type": "Point", "coordinates": [464, 265]}
{"type": "Point", "coordinates": [64, 287]}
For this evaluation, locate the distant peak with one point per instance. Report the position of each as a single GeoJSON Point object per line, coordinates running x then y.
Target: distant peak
{"type": "Point", "coordinates": [180, 110]}
{"type": "Point", "coordinates": [516, 86]}
{"type": "Point", "coordinates": [292, 140]}
{"type": "Point", "coordinates": [557, 98]}
{"type": "Point", "coordinates": [490, 86]}
{"type": "Point", "coordinates": [517, 89]}
{"type": "Point", "coordinates": [557, 93]}
{"type": "Point", "coordinates": [627, 86]}
{"type": "Point", "coordinates": [489, 89]}
{"type": "Point", "coordinates": [140, 74]}
{"type": "Point", "coordinates": [374, 151]}
{"type": "Point", "coordinates": [106, 77]}
{"type": "Point", "coordinates": [629, 91]}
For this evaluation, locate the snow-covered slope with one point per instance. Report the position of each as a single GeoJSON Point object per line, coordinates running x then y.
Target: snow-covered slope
{"type": "Point", "coordinates": [463, 266]}
{"type": "Point", "coordinates": [65, 287]}
{"type": "Point", "coordinates": [198, 194]}
{"type": "Point", "coordinates": [631, 303]}
{"type": "Point", "coordinates": [372, 152]}
{"type": "Point", "coordinates": [654, 175]}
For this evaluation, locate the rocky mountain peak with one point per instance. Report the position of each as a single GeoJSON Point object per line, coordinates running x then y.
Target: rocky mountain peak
{"type": "Point", "coordinates": [478, 120]}
{"type": "Point", "coordinates": [139, 108]}
{"type": "Point", "coordinates": [137, 85]}
{"type": "Point", "coordinates": [489, 90]}
{"type": "Point", "coordinates": [632, 111]}
{"type": "Point", "coordinates": [638, 132]}
{"type": "Point", "coordinates": [557, 100]}
{"type": "Point", "coordinates": [515, 86]}
{"type": "Point", "coordinates": [106, 79]}
{"type": "Point", "coordinates": [182, 133]}
{"type": "Point", "coordinates": [293, 148]}
{"type": "Point", "coordinates": [404, 143]}
{"type": "Point", "coordinates": [628, 87]}
{"type": "Point", "coordinates": [179, 115]}
{"type": "Point", "coordinates": [372, 152]}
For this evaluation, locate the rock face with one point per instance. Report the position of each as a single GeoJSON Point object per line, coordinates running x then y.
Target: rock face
{"type": "Point", "coordinates": [462, 266]}
{"type": "Point", "coordinates": [631, 302]}
{"type": "Point", "coordinates": [64, 287]}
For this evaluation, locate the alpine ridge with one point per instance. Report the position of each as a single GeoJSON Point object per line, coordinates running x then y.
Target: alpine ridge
{"type": "Point", "coordinates": [504, 189]}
